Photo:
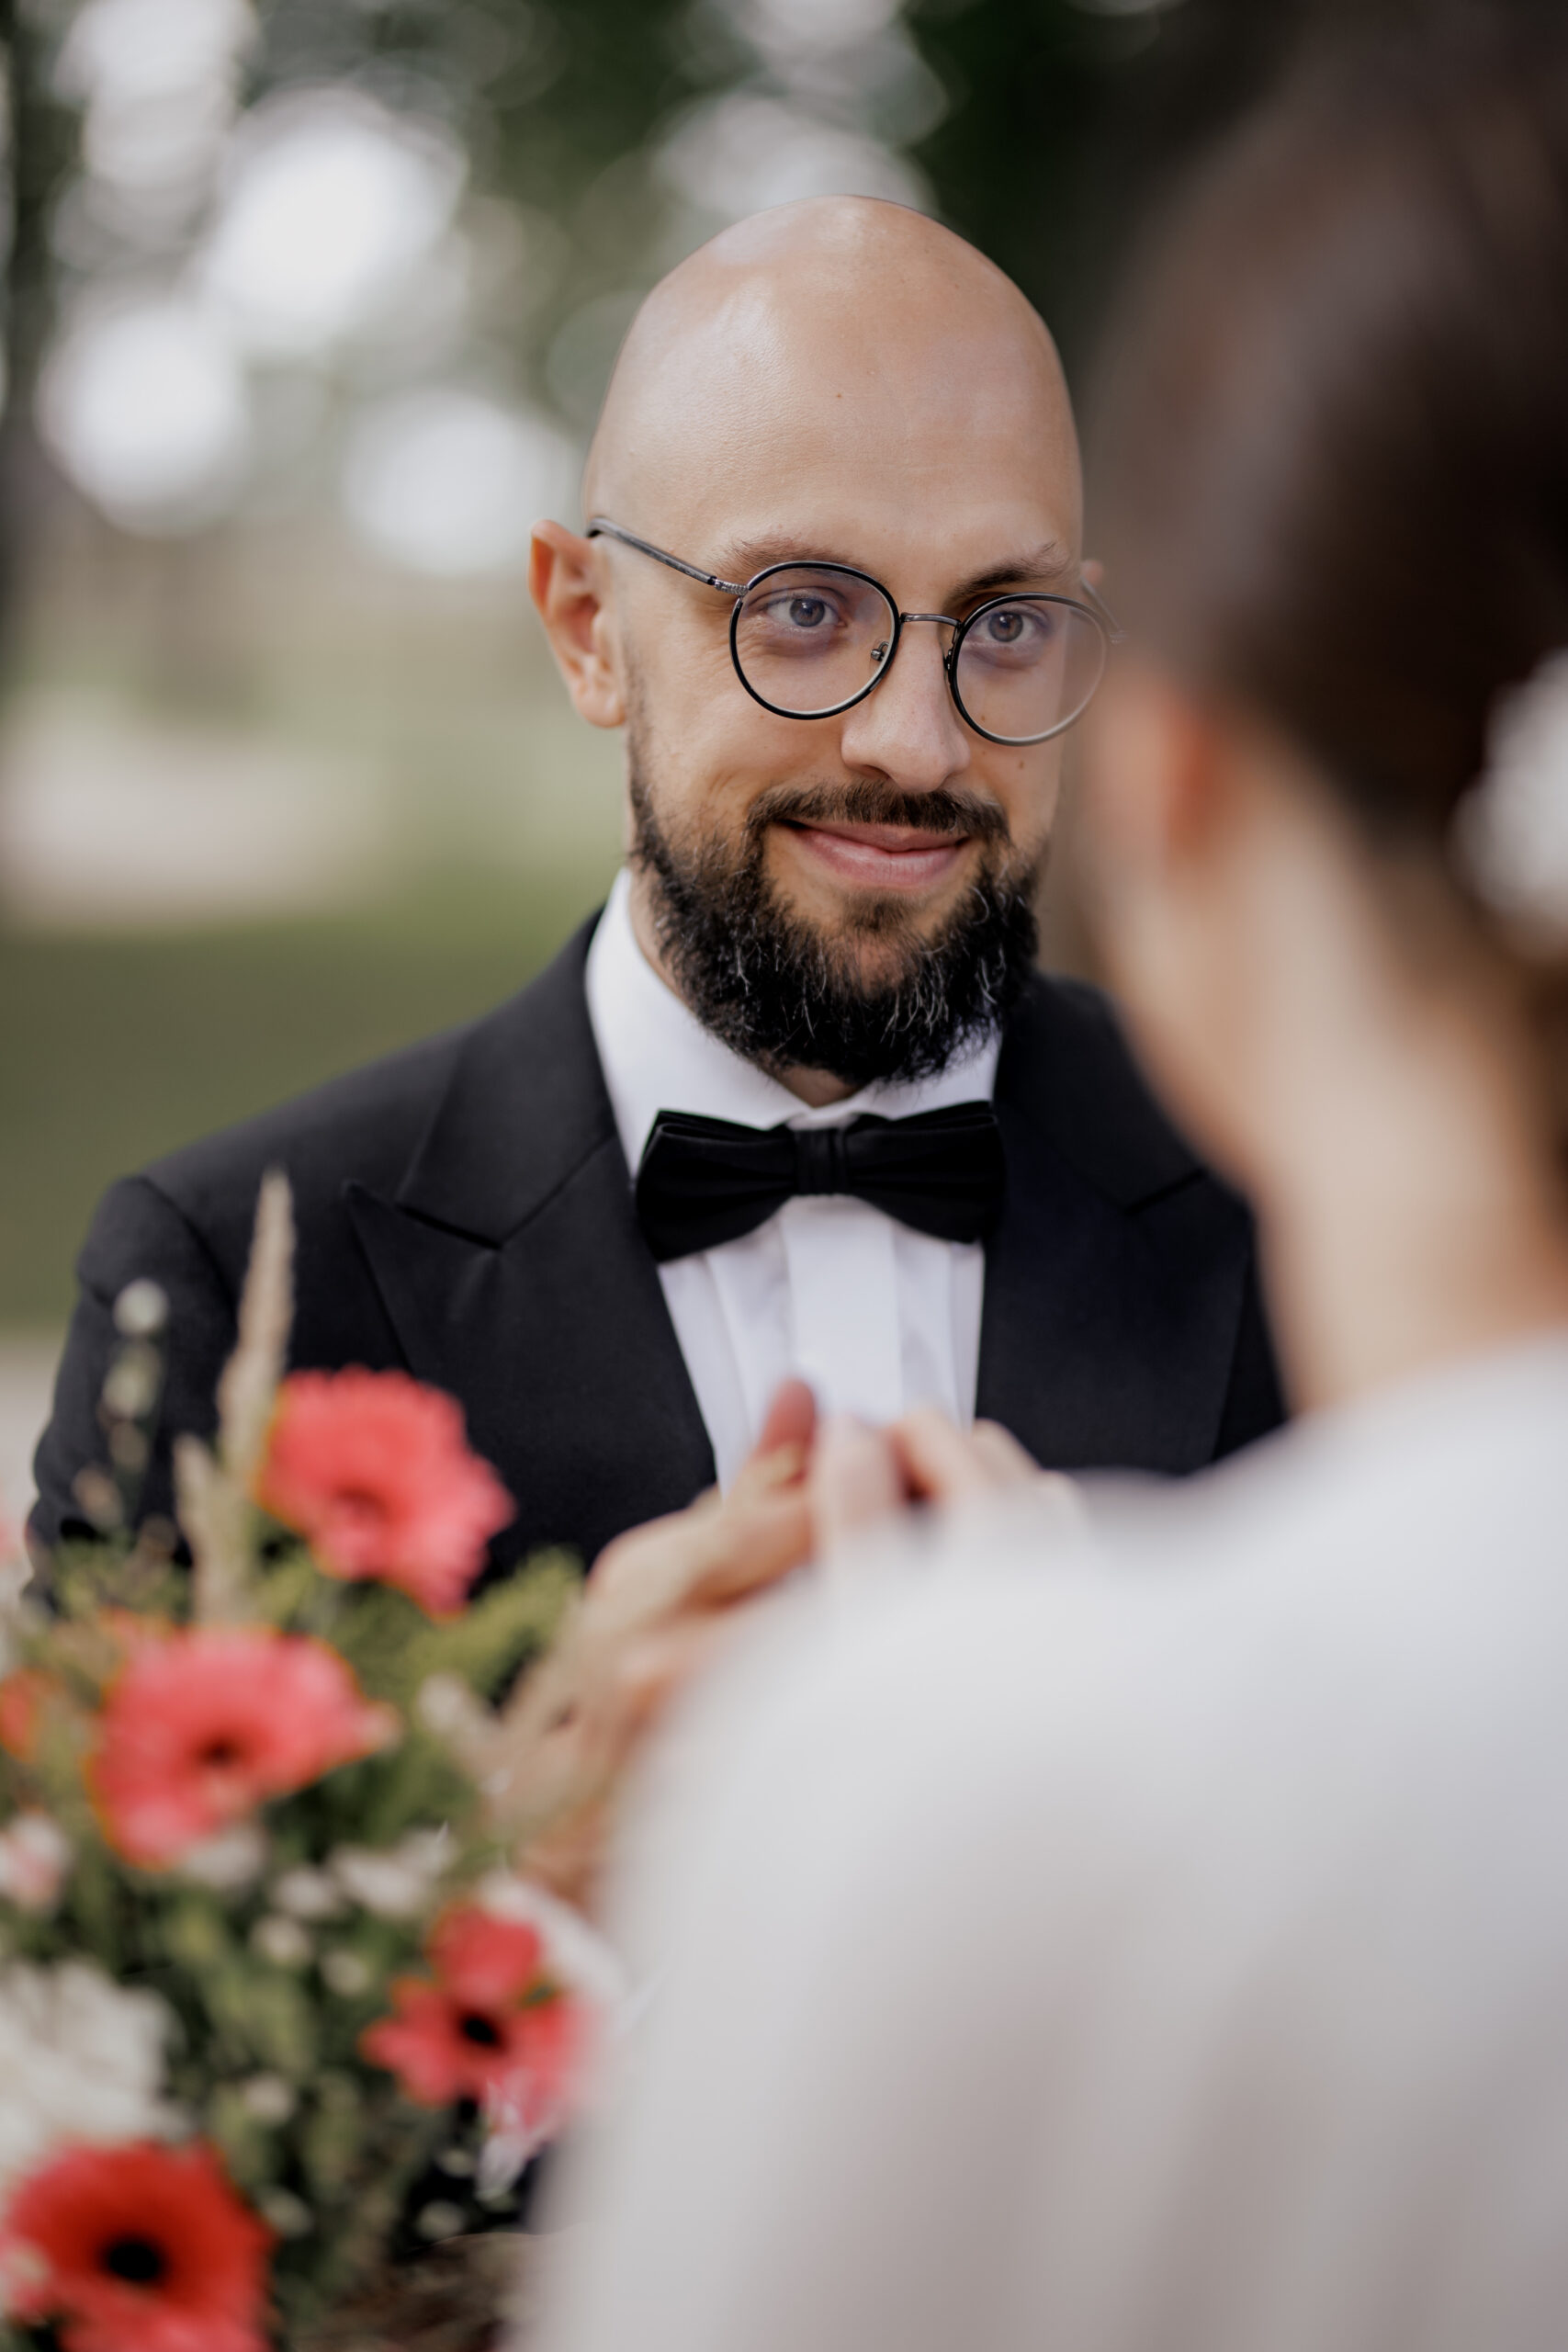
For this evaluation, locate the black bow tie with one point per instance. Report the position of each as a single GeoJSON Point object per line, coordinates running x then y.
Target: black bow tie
{"type": "Point", "coordinates": [703, 1181]}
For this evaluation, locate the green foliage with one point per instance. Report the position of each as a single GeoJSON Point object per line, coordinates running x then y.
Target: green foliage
{"type": "Point", "coordinates": [394, 1647]}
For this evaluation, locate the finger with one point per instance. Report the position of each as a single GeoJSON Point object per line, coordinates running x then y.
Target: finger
{"type": "Point", "coordinates": [1063, 1508]}
{"type": "Point", "coordinates": [568, 1859]}
{"type": "Point", "coordinates": [854, 1480]}
{"type": "Point", "coordinates": [758, 1545]}
{"type": "Point", "coordinates": [647, 1677]}
{"type": "Point", "coordinates": [628, 1558]}
{"type": "Point", "coordinates": [790, 1419]}
{"type": "Point", "coordinates": [942, 1463]}
{"type": "Point", "coordinates": [781, 1453]}
{"type": "Point", "coordinates": [577, 1806]}
{"type": "Point", "coordinates": [1009, 1462]}
{"type": "Point", "coordinates": [761, 1475]}
{"type": "Point", "coordinates": [706, 1558]}
{"type": "Point", "coordinates": [645, 1573]}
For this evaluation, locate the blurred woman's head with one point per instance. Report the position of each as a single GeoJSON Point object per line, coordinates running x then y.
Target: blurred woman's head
{"type": "Point", "coordinates": [1335, 494]}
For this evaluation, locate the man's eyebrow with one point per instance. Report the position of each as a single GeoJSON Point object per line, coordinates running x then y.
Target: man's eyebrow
{"type": "Point", "coordinates": [744, 558]}
{"type": "Point", "coordinates": [1046, 566]}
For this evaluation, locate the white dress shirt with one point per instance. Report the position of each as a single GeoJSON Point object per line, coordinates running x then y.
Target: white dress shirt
{"type": "Point", "coordinates": [875, 1317]}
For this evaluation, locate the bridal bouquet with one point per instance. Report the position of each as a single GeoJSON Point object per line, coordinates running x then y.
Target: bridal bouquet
{"type": "Point", "coordinates": [270, 1997]}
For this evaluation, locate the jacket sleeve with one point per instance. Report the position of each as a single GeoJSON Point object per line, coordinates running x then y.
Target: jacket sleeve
{"type": "Point", "coordinates": [137, 1233]}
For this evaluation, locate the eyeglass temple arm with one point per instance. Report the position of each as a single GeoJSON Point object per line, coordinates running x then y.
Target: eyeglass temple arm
{"type": "Point", "coordinates": [600, 527]}
{"type": "Point", "coordinates": [1115, 629]}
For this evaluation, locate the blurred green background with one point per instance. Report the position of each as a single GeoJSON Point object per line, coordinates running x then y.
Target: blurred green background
{"type": "Point", "coordinates": [309, 307]}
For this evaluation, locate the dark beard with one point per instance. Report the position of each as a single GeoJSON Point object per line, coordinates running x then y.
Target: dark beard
{"type": "Point", "coordinates": [779, 992]}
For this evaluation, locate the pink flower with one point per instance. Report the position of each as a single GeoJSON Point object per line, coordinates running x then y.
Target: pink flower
{"type": "Point", "coordinates": [200, 1728]}
{"type": "Point", "coordinates": [137, 2248]}
{"type": "Point", "coordinates": [373, 1471]}
{"type": "Point", "coordinates": [494, 2025]}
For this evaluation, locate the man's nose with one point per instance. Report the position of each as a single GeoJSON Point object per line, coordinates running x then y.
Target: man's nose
{"type": "Point", "coordinates": [907, 729]}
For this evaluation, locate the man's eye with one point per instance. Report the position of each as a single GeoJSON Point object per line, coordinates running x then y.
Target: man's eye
{"type": "Point", "coordinates": [1005, 629]}
{"type": "Point", "coordinates": [807, 612]}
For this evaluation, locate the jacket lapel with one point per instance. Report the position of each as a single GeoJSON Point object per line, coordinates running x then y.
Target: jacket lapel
{"type": "Point", "coordinates": [511, 1267]}
{"type": "Point", "coordinates": [1115, 1280]}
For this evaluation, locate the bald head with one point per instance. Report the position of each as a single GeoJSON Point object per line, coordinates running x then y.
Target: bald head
{"type": "Point", "coordinates": [842, 334]}
{"type": "Point", "coordinates": [832, 388]}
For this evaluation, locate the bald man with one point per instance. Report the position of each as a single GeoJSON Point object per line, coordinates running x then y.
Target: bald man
{"type": "Point", "coordinates": [797, 1102]}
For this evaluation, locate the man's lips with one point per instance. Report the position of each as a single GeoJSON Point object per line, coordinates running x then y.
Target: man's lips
{"type": "Point", "coordinates": [887, 857]}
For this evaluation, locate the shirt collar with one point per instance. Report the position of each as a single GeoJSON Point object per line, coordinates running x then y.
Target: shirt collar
{"type": "Point", "coordinates": [658, 1057]}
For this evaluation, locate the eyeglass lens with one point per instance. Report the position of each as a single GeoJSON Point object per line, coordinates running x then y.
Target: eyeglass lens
{"type": "Point", "coordinates": [809, 640]}
{"type": "Point", "coordinates": [1027, 669]}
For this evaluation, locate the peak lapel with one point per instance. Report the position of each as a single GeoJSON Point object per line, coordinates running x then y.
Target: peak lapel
{"type": "Point", "coordinates": [513, 1269]}
{"type": "Point", "coordinates": [1114, 1284]}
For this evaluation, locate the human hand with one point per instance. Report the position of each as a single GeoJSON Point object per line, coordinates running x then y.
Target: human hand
{"type": "Point", "coordinates": [859, 1474]}
{"type": "Point", "coordinates": [659, 1601]}
{"type": "Point", "coordinates": [722, 1547]}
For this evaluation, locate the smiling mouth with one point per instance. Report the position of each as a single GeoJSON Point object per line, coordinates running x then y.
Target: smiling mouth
{"type": "Point", "coordinates": [884, 857]}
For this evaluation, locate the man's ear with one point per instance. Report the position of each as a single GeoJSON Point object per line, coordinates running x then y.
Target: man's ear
{"type": "Point", "coordinates": [565, 575]}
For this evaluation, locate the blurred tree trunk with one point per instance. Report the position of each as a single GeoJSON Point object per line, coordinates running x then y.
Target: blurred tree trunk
{"type": "Point", "coordinates": [38, 145]}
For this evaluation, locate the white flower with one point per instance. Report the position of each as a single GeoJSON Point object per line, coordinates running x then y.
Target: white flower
{"type": "Point", "coordinates": [35, 1858]}
{"type": "Point", "coordinates": [80, 2058]}
{"type": "Point", "coordinates": [233, 1859]}
{"type": "Point", "coordinates": [288, 2214]}
{"type": "Point", "coordinates": [307, 1893]}
{"type": "Point", "coordinates": [282, 1940]}
{"type": "Point", "coordinates": [1511, 830]}
{"type": "Point", "coordinates": [268, 2098]}
{"type": "Point", "coordinates": [141, 1310]}
{"type": "Point", "coordinates": [345, 1972]}
{"type": "Point", "coordinates": [439, 2221]}
{"type": "Point", "coordinates": [445, 1702]}
{"type": "Point", "coordinates": [394, 1882]}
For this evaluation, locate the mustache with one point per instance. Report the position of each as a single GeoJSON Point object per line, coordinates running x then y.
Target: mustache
{"type": "Point", "coordinates": [867, 802]}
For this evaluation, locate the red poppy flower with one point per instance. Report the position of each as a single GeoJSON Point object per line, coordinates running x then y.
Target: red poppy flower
{"type": "Point", "coordinates": [137, 2248]}
{"type": "Point", "coordinates": [494, 2025]}
{"type": "Point", "coordinates": [200, 1729]}
{"type": "Point", "coordinates": [373, 1471]}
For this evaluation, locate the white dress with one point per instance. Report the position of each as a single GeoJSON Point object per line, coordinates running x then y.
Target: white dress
{"type": "Point", "coordinates": [1160, 1950]}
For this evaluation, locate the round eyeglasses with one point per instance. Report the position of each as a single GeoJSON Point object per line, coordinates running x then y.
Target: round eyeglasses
{"type": "Point", "coordinates": [809, 640]}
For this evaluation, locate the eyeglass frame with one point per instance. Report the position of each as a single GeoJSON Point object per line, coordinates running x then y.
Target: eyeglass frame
{"type": "Point", "coordinates": [1096, 610]}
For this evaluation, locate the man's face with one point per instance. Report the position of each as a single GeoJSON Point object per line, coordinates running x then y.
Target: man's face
{"type": "Point", "coordinates": [870, 829]}
{"type": "Point", "coordinates": [907, 422]}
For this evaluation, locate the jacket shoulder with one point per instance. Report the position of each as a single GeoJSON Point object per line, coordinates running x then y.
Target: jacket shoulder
{"type": "Point", "coordinates": [1068, 1067]}
{"type": "Point", "coordinates": [366, 1127]}
{"type": "Point", "coordinates": [364, 1122]}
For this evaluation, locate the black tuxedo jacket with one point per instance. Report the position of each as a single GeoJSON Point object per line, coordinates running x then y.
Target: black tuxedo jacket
{"type": "Point", "coordinates": [464, 1212]}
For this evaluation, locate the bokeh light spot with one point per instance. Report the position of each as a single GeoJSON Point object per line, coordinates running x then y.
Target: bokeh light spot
{"type": "Point", "coordinates": [449, 483]}
{"type": "Point", "coordinates": [145, 407]}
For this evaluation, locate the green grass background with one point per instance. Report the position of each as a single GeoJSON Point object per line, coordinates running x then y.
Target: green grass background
{"type": "Point", "coordinates": [115, 1048]}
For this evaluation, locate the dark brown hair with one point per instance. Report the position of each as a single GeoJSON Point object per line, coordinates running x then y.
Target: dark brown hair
{"type": "Point", "coordinates": [1335, 448]}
